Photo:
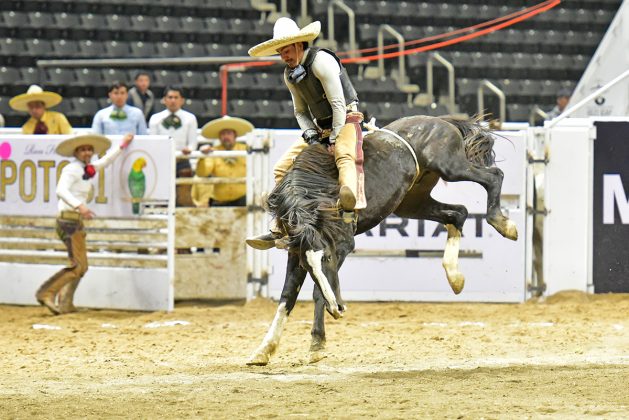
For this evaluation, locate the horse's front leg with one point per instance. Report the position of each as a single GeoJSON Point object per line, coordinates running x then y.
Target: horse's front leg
{"type": "Point", "coordinates": [295, 276]}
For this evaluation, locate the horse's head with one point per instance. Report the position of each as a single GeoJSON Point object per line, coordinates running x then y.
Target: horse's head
{"type": "Point", "coordinates": [304, 203]}
{"type": "Point", "coordinates": [324, 264]}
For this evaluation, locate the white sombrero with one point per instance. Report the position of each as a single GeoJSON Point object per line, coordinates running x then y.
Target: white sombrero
{"type": "Point", "coordinates": [98, 142]}
{"type": "Point", "coordinates": [286, 32]}
{"type": "Point", "coordinates": [212, 129]}
{"type": "Point", "coordinates": [34, 93]}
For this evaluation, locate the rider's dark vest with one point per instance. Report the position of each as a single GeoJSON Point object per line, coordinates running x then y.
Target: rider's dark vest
{"type": "Point", "coordinates": [311, 90]}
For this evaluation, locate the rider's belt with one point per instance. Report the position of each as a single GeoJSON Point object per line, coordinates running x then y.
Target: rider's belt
{"type": "Point", "coordinates": [352, 117]}
{"type": "Point", "coordinates": [70, 215]}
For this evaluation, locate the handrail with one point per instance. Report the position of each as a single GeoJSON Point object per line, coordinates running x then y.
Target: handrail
{"type": "Point", "coordinates": [501, 96]}
{"type": "Point", "coordinates": [588, 98]}
{"type": "Point", "coordinates": [352, 24]}
{"type": "Point", "coordinates": [430, 80]}
{"type": "Point", "coordinates": [401, 63]}
{"type": "Point", "coordinates": [537, 111]}
{"type": "Point", "coordinates": [147, 62]}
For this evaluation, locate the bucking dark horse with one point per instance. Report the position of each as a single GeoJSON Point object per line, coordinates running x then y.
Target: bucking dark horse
{"type": "Point", "coordinates": [403, 162]}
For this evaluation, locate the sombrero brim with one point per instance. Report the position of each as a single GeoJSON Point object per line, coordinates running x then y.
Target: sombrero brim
{"type": "Point", "coordinates": [20, 102]}
{"type": "Point", "coordinates": [98, 142]}
{"type": "Point", "coordinates": [212, 129]}
{"type": "Point", "coordinates": [270, 47]}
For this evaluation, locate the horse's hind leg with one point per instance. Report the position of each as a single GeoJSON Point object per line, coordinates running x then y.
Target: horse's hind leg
{"type": "Point", "coordinates": [418, 205]}
{"type": "Point", "coordinates": [295, 276]}
{"type": "Point", "coordinates": [453, 169]}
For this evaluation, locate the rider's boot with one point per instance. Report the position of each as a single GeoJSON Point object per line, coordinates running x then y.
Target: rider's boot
{"type": "Point", "coordinates": [266, 241]}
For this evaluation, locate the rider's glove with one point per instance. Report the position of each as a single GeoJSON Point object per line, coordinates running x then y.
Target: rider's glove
{"type": "Point", "coordinates": [310, 136]}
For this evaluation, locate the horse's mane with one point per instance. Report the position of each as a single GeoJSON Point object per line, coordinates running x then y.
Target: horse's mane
{"type": "Point", "coordinates": [304, 201]}
{"type": "Point", "coordinates": [478, 140]}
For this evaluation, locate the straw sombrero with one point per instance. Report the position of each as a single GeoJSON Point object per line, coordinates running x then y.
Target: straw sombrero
{"type": "Point", "coordinates": [34, 93]}
{"type": "Point", "coordinates": [98, 142]}
{"type": "Point", "coordinates": [212, 129]}
{"type": "Point", "coordinates": [286, 32]}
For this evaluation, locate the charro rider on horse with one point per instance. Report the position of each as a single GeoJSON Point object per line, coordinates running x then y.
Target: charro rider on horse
{"type": "Point", "coordinates": [325, 105]}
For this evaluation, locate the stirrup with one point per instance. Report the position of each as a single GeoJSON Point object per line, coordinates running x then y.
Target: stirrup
{"type": "Point", "coordinates": [348, 216]}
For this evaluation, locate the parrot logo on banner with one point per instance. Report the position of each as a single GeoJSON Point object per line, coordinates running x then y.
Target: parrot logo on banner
{"type": "Point", "coordinates": [137, 177]}
{"type": "Point", "coordinates": [137, 183]}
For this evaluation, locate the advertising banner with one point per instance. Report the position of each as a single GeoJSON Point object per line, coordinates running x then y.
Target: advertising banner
{"type": "Point", "coordinates": [610, 268]}
{"type": "Point", "coordinates": [30, 169]}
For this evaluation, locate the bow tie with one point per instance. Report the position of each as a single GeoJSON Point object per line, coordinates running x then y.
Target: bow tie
{"type": "Point", "coordinates": [118, 114]}
{"type": "Point", "coordinates": [172, 121]}
{"type": "Point", "coordinates": [89, 171]}
{"type": "Point", "coordinates": [41, 128]}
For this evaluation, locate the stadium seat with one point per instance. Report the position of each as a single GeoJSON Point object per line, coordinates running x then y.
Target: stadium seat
{"type": "Point", "coordinates": [193, 82]}
{"type": "Point", "coordinates": [65, 48]}
{"type": "Point", "coordinates": [193, 50]}
{"type": "Point", "coordinates": [112, 75]}
{"type": "Point", "coordinates": [517, 113]}
{"type": "Point", "coordinates": [91, 81]}
{"type": "Point", "coordinates": [218, 50]}
{"type": "Point", "coordinates": [40, 48]}
{"type": "Point", "coordinates": [29, 76]}
{"type": "Point", "coordinates": [92, 49]}
{"type": "Point", "coordinates": [9, 76]}
{"type": "Point", "coordinates": [143, 49]}
{"type": "Point", "coordinates": [168, 50]}
{"type": "Point", "coordinates": [163, 78]}
{"type": "Point", "coordinates": [117, 49]}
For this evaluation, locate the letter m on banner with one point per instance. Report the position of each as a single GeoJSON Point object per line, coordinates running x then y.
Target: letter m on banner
{"type": "Point", "coordinates": [614, 197]}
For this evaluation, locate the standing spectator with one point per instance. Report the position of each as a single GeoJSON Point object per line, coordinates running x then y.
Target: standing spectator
{"type": "Point", "coordinates": [563, 97]}
{"type": "Point", "coordinates": [74, 190]}
{"type": "Point", "coordinates": [226, 129]}
{"type": "Point", "coordinates": [182, 126]}
{"type": "Point", "coordinates": [36, 102]}
{"type": "Point", "coordinates": [119, 118]}
{"type": "Point", "coordinates": [141, 96]}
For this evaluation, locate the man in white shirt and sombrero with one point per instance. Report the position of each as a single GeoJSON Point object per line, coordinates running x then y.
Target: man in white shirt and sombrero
{"type": "Point", "coordinates": [74, 190]}
{"type": "Point", "coordinates": [325, 105]}
{"type": "Point", "coordinates": [227, 129]}
{"type": "Point", "coordinates": [37, 102]}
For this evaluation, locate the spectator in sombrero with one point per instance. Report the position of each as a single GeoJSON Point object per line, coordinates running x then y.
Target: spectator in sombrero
{"type": "Point", "coordinates": [37, 102]}
{"type": "Point", "coordinates": [119, 118]}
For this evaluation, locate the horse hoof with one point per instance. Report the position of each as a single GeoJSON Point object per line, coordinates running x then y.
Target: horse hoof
{"type": "Point", "coordinates": [511, 231]}
{"type": "Point", "coordinates": [457, 282]}
{"type": "Point", "coordinates": [316, 356]}
{"type": "Point", "coordinates": [258, 360]}
{"type": "Point", "coordinates": [334, 311]}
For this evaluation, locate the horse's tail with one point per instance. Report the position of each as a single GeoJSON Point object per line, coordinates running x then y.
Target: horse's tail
{"type": "Point", "coordinates": [478, 140]}
{"type": "Point", "coordinates": [304, 201]}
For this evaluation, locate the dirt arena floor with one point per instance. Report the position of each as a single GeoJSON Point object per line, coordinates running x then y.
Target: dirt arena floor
{"type": "Point", "coordinates": [565, 357]}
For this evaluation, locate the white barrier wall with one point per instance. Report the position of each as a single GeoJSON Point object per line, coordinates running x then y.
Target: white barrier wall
{"type": "Point", "coordinates": [568, 197]}
{"type": "Point", "coordinates": [496, 274]}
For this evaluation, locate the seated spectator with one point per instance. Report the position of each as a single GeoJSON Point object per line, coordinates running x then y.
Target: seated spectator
{"type": "Point", "coordinates": [119, 118]}
{"type": "Point", "coordinates": [226, 129]}
{"type": "Point", "coordinates": [182, 126]}
{"type": "Point", "coordinates": [140, 96]}
{"type": "Point", "coordinates": [1, 121]}
{"type": "Point", "coordinates": [36, 102]}
{"type": "Point", "coordinates": [563, 97]}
